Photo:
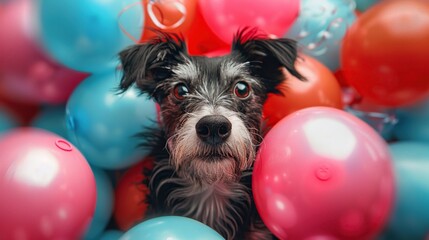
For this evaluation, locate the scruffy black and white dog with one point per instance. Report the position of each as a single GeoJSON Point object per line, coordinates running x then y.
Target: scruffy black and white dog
{"type": "Point", "coordinates": [211, 117]}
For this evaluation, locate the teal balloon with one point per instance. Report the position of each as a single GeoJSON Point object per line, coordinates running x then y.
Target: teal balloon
{"type": "Point", "coordinates": [7, 121]}
{"type": "Point", "coordinates": [111, 235]}
{"type": "Point", "coordinates": [413, 122]}
{"type": "Point", "coordinates": [103, 206]}
{"type": "Point", "coordinates": [87, 35]}
{"type": "Point", "coordinates": [102, 123]}
{"type": "Point", "coordinates": [171, 227]}
{"type": "Point", "coordinates": [53, 119]}
{"type": "Point", "coordinates": [363, 5]}
{"type": "Point", "coordinates": [320, 28]}
{"type": "Point", "coordinates": [410, 216]}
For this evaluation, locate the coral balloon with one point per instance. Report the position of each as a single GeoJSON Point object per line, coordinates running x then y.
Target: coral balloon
{"type": "Point", "coordinates": [173, 16]}
{"type": "Point", "coordinates": [226, 17]}
{"type": "Point", "coordinates": [47, 187]}
{"type": "Point", "coordinates": [201, 38]}
{"type": "Point", "coordinates": [320, 29]}
{"type": "Point", "coordinates": [27, 74]}
{"type": "Point", "coordinates": [322, 173]}
{"type": "Point", "coordinates": [320, 89]}
{"type": "Point", "coordinates": [385, 52]}
{"type": "Point", "coordinates": [130, 196]}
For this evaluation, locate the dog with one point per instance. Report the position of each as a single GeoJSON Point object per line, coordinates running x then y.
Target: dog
{"type": "Point", "coordinates": [211, 125]}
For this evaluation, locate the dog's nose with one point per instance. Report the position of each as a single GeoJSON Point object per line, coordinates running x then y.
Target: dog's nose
{"type": "Point", "coordinates": [213, 129]}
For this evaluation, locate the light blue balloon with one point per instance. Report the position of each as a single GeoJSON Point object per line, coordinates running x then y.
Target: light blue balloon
{"type": "Point", "coordinates": [413, 122]}
{"type": "Point", "coordinates": [53, 119]}
{"type": "Point", "coordinates": [7, 121]}
{"type": "Point", "coordinates": [320, 28]}
{"type": "Point", "coordinates": [171, 228]}
{"type": "Point", "coordinates": [111, 235]}
{"type": "Point", "coordinates": [102, 123]}
{"type": "Point", "coordinates": [103, 206]}
{"type": "Point", "coordinates": [410, 216]}
{"type": "Point", "coordinates": [86, 35]}
{"type": "Point", "coordinates": [363, 5]}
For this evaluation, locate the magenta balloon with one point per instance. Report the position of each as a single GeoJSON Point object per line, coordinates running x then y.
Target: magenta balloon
{"type": "Point", "coordinates": [47, 188]}
{"type": "Point", "coordinates": [322, 173]}
{"type": "Point", "coordinates": [226, 17]}
{"type": "Point", "coordinates": [27, 73]}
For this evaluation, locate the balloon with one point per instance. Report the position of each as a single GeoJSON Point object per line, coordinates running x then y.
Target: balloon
{"type": "Point", "coordinates": [87, 35]}
{"type": "Point", "coordinates": [363, 5]}
{"type": "Point", "coordinates": [173, 16]}
{"type": "Point", "coordinates": [171, 227]}
{"type": "Point", "coordinates": [226, 17]}
{"type": "Point", "coordinates": [27, 74]}
{"type": "Point", "coordinates": [320, 28]}
{"type": "Point", "coordinates": [52, 118]}
{"type": "Point", "coordinates": [384, 54]}
{"type": "Point", "coordinates": [413, 122]}
{"type": "Point", "coordinates": [320, 89]}
{"type": "Point", "coordinates": [410, 216]}
{"type": "Point", "coordinates": [111, 235]}
{"type": "Point", "coordinates": [47, 187]}
{"type": "Point", "coordinates": [24, 112]}
{"type": "Point", "coordinates": [130, 196]}
{"type": "Point", "coordinates": [103, 206]}
{"type": "Point", "coordinates": [7, 121]}
{"type": "Point", "coordinates": [201, 39]}
{"type": "Point", "coordinates": [323, 172]}
{"type": "Point", "coordinates": [103, 123]}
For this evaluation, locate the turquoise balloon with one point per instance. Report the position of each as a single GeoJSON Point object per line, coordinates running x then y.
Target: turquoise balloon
{"type": "Point", "coordinates": [87, 35]}
{"type": "Point", "coordinates": [103, 206]}
{"type": "Point", "coordinates": [111, 235]}
{"type": "Point", "coordinates": [7, 121]}
{"type": "Point", "coordinates": [53, 119]}
{"type": "Point", "coordinates": [410, 216]}
{"type": "Point", "coordinates": [102, 123]}
{"type": "Point", "coordinates": [320, 28]}
{"type": "Point", "coordinates": [171, 228]}
{"type": "Point", "coordinates": [413, 122]}
{"type": "Point", "coordinates": [363, 5]}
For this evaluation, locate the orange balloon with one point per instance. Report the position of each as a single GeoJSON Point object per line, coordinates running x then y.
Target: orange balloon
{"type": "Point", "coordinates": [320, 89]}
{"type": "Point", "coordinates": [173, 16]}
{"type": "Point", "coordinates": [385, 53]}
{"type": "Point", "coordinates": [130, 196]}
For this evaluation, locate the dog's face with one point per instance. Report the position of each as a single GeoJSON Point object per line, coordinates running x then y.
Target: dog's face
{"type": "Point", "coordinates": [211, 108]}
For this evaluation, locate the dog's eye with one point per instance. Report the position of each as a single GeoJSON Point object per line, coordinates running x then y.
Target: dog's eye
{"type": "Point", "coordinates": [242, 90]}
{"type": "Point", "coordinates": [180, 91]}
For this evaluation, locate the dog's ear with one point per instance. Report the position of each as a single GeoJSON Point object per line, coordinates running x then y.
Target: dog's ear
{"type": "Point", "coordinates": [267, 56]}
{"type": "Point", "coordinates": [149, 63]}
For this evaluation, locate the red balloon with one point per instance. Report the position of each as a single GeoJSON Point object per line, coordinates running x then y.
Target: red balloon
{"type": "Point", "coordinates": [130, 195]}
{"type": "Point", "coordinates": [322, 173]}
{"type": "Point", "coordinates": [173, 16]}
{"type": "Point", "coordinates": [320, 89]}
{"type": "Point", "coordinates": [201, 39]}
{"type": "Point", "coordinates": [47, 187]}
{"type": "Point", "coordinates": [385, 53]}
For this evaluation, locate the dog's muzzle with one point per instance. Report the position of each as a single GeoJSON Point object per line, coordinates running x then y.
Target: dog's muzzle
{"type": "Point", "coordinates": [213, 129]}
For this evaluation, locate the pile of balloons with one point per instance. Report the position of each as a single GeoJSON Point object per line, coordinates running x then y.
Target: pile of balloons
{"type": "Point", "coordinates": [345, 154]}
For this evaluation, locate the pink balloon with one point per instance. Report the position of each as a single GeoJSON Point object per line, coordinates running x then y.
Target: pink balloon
{"type": "Point", "coordinates": [322, 173]}
{"type": "Point", "coordinates": [27, 73]}
{"type": "Point", "coordinates": [47, 188]}
{"type": "Point", "coordinates": [226, 17]}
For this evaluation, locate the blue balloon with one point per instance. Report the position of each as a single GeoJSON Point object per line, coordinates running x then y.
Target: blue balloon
{"type": "Point", "coordinates": [7, 121]}
{"type": "Point", "coordinates": [410, 216]}
{"type": "Point", "coordinates": [320, 28]}
{"type": "Point", "coordinates": [86, 35]}
{"type": "Point", "coordinates": [52, 118]}
{"type": "Point", "coordinates": [171, 227]}
{"type": "Point", "coordinates": [103, 206]}
{"type": "Point", "coordinates": [363, 5]}
{"type": "Point", "coordinates": [102, 123]}
{"type": "Point", "coordinates": [111, 235]}
{"type": "Point", "coordinates": [413, 122]}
